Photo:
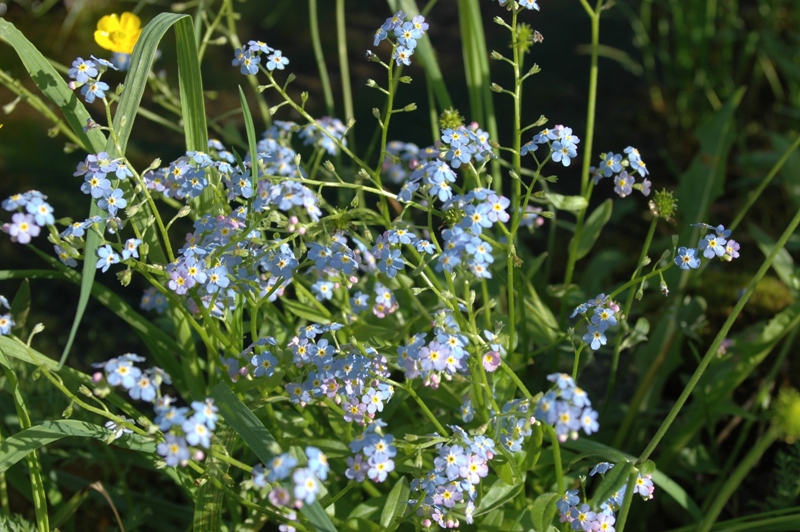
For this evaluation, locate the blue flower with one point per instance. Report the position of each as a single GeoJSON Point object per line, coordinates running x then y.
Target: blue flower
{"type": "Point", "coordinates": [317, 462]}
{"type": "Point", "coordinates": [131, 248]}
{"type": "Point", "coordinates": [589, 421]}
{"type": "Point", "coordinates": [603, 318]}
{"type": "Point", "coordinates": [66, 256]}
{"type": "Point", "coordinates": [112, 200]}
{"type": "Point", "coordinates": [567, 501]}
{"type": "Point", "coordinates": [276, 61]}
{"type": "Point", "coordinates": [306, 485]}
{"type": "Point", "coordinates": [392, 263]}
{"type": "Point", "coordinates": [197, 433]}
{"type": "Point", "coordinates": [144, 389]}
{"type": "Point", "coordinates": [280, 467]}
{"type": "Point", "coordinates": [174, 450]}
{"type": "Point", "coordinates": [206, 413]}
{"type": "Point", "coordinates": [595, 337]}
{"type": "Point", "coordinates": [6, 324]}
{"type": "Point", "coordinates": [713, 245]}
{"type": "Point", "coordinates": [249, 63]}
{"type": "Point", "coordinates": [264, 363]}
{"type": "Point", "coordinates": [402, 55]}
{"type": "Point", "coordinates": [611, 163]}
{"type": "Point", "coordinates": [94, 90]}
{"type": "Point", "coordinates": [42, 212]}
{"type": "Point", "coordinates": [82, 70]}
{"type": "Point", "coordinates": [624, 184]}
{"type": "Point", "coordinates": [601, 468]}
{"type": "Point", "coordinates": [323, 290]}
{"type": "Point", "coordinates": [687, 258]}
{"type": "Point", "coordinates": [106, 257]}
{"type": "Point", "coordinates": [563, 152]}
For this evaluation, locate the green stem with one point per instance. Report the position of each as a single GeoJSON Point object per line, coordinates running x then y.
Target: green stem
{"type": "Point", "coordinates": [753, 196]}
{"type": "Point", "coordinates": [736, 478]}
{"type": "Point", "coordinates": [320, 57]}
{"type": "Point", "coordinates": [723, 333]}
{"type": "Point", "coordinates": [517, 382]}
{"type": "Point", "coordinates": [344, 67]}
{"type": "Point", "coordinates": [551, 433]}
{"type": "Point", "coordinates": [516, 193]}
{"type": "Point", "coordinates": [425, 410]}
{"type": "Point", "coordinates": [586, 183]}
{"type": "Point", "coordinates": [627, 309]}
{"type": "Point", "coordinates": [38, 493]}
{"type": "Point", "coordinates": [628, 499]}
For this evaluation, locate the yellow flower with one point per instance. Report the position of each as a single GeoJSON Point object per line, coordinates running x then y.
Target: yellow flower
{"type": "Point", "coordinates": [118, 33]}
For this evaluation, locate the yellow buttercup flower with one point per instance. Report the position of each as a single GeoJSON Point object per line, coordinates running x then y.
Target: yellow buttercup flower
{"type": "Point", "coordinates": [118, 33]}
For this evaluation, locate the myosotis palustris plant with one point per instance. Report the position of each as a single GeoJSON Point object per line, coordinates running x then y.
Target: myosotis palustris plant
{"type": "Point", "coordinates": [347, 327]}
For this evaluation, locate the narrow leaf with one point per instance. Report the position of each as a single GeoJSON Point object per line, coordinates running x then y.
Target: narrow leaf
{"type": "Point", "coordinates": [567, 203]}
{"type": "Point", "coordinates": [18, 446]}
{"type": "Point", "coordinates": [593, 227]}
{"type": "Point", "coordinates": [543, 511]}
{"type": "Point", "coordinates": [395, 505]}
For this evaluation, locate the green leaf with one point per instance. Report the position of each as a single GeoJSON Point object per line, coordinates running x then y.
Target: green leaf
{"type": "Point", "coordinates": [161, 345]}
{"type": "Point", "coordinates": [395, 505]}
{"type": "Point", "coordinates": [601, 455]}
{"type": "Point", "coordinates": [310, 313]}
{"type": "Point", "coordinates": [52, 85]}
{"type": "Point", "coordinates": [252, 141]}
{"type": "Point", "coordinates": [262, 443]}
{"type": "Point", "coordinates": [543, 510]}
{"type": "Point", "coordinates": [532, 449]}
{"type": "Point", "coordinates": [593, 227]}
{"type": "Point", "coordinates": [783, 264]}
{"type": "Point", "coordinates": [567, 203]}
{"type": "Point", "coordinates": [21, 305]}
{"type": "Point", "coordinates": [18, 446]}
{"type": "Point", "coordinates": [648, 467]}
{"type": "Point", "coordinates": [498, 494]}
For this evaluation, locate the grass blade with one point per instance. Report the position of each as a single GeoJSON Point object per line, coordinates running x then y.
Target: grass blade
{"type": "Point", "coordinates": [27, 441]}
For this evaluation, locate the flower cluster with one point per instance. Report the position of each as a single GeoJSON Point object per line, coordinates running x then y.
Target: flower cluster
{"type": "Point", "coordinates": [513, 424]}
{"type": "Point", "coordinates": [616, 166]}
{"type": "Point", "coordinates": [325, 133]}
{"type": "Point", "coordinates": [373, 454]}
{"type": "Point", "coordinates": [183, 428]}
{"type": "Point", "coordinates": [604, 315]}
{"type": "Point", "coordinates": [567, 408]}
{"type": "Point", "coordinates": [6, 320]}
{"type": "Point", "coordinates": [563, 144]}
{"type": "Point", "coordinates": [86, 75]}
{"type": "Point", "coordinates": [305, 481]}
{"type": "Point", "coordinates": [479, 210]}
{"type": "Point", "coordinates": [716, 244]}
{"type": "Point", "coordinates": [582, 517]}
{"type": "Point", "coordinates": [406, 34]}
{"type": "Point", "coordinates": [401, 158]}
{"type": "Point", "coordinates": [31, 214]}
{"type": "Point", "coordinates": [459, 146]}
{"type": "Point", "coordinates": [452, 483]}
{"type": "Point", "coordinates": [249, 57]}
{"type": "Point", "coordinates": [442, 357]}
